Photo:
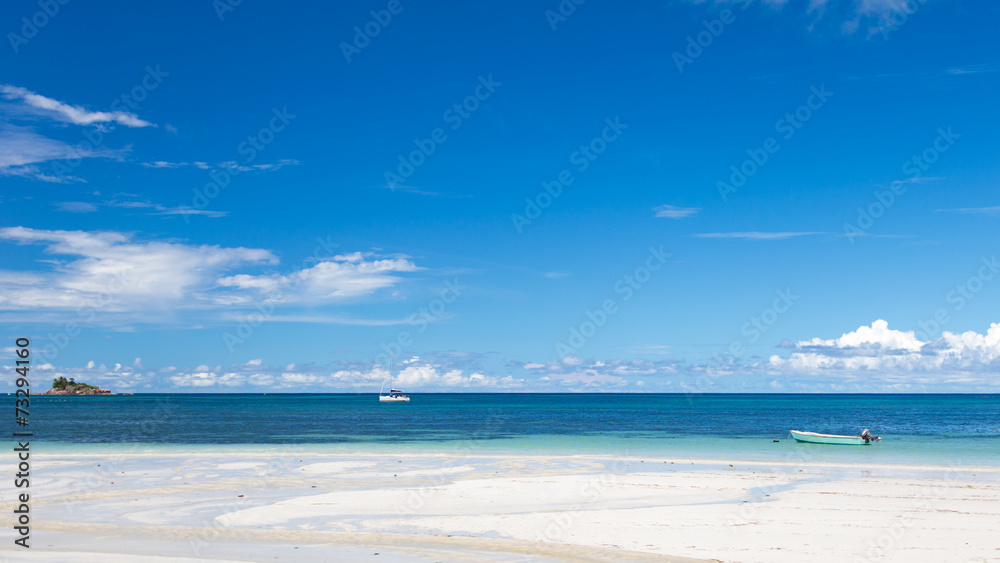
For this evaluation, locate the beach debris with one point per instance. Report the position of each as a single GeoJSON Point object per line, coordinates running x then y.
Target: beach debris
{"type": "Point", "coordinates": [775, 440]}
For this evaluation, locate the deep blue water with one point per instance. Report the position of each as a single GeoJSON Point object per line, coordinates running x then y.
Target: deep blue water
{"type": "Point", "coordinates": [969, 423]}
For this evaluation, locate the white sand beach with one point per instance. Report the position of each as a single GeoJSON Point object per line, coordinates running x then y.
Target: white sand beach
{"type": "Point", "coordinates": [304, 503]}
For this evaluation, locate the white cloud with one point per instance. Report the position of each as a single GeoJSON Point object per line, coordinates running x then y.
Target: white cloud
{"type": "Point", "coordinates": [879, 350]}
{"type": "Point", "coordinates": [673, 212]}
{"type": "Point", "coordinates": [135, 275]}
{"type": "Point", "coordinates": [200, 379]}
{"type": "Point", "coordinates": [69, 113]}
{"type": "Point", "coordinates": [343, 276]}
{"type": "Point", "coordinates": [572, 361]}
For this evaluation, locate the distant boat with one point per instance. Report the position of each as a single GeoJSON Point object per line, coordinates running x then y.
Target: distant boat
{"type": "Point", "coordinates": [395, 395]}
{"type": "Point", "coordinates": [866, 438]}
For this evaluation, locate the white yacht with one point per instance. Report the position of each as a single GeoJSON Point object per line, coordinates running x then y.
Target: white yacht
{"type": "Point", "coordinates": [395, 395]}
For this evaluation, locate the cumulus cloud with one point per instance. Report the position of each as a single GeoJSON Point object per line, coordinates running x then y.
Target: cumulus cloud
{"type": "Point", "coordinates": [418, 376]}
{"type": "Point", "coordinates": [879, 350]}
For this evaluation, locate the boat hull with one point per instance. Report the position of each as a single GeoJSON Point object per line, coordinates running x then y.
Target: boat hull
{"type": "Point", "coordinates": [814, 438]}
{"type": "Point", "coordinates": [388, 399]}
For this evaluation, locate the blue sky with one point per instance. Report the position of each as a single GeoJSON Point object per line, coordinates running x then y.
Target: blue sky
{"type": "Point", "coordinates": [666, 197]}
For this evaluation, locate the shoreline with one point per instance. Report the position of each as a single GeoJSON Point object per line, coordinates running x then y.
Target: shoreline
{"type": "Point", "coordinates": [262, 503]}
{"type": "Point", "coordinates": [797, 455]}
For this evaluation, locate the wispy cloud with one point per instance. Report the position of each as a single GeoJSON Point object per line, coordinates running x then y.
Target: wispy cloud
{"type": "Point", "coordinates": [228, 165]}
{"type": "Point", "coordinates": [846, 15]}
{"type": "Point", "coordinates": [756, 235]}
{"type": "Point", "coordinates": [972, 69]}
{"type": "Point", "coordinates": [973, 210]}
{"type": "Point", "coordinates": [68, 113]}
{"type": "Point", "coordinates": [674, 212]}
{"type": "Point", "coordinates": [165, 164]}
{"type": "Point", "coordinates": [148, 208]}
{"type": "Point", "coordinates": [22, 149]}
{"type": "Point", "coordinates": [410, 189]}
{"type": "Point", "coordinates": [330, 320]}
{"type": "Point", "coordinates": [157, 209]}
{"type": "Point", "coordinates": [76, 206]}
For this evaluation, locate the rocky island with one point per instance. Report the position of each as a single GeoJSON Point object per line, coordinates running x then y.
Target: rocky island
{"type": "Point", "coordinates": [62, 386]}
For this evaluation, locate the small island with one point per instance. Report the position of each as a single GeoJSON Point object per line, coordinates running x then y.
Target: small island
{"type": "Point", "coordinates": [63, 386]}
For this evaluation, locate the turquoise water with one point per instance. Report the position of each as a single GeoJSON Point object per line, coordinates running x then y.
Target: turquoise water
{"type": "Point", "coordinates": [916, 429]}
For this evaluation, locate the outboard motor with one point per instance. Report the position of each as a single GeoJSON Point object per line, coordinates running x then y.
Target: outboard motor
{"type": "Point", "coordinates": [868, 437]}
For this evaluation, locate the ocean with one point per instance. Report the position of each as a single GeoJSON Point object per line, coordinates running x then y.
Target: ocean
{"type": "Point", "coordinates": [915, 429]}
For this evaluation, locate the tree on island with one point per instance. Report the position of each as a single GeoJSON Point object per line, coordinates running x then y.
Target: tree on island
{"type": "Point", "coordinates": [61, 383]}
